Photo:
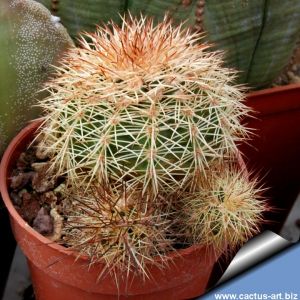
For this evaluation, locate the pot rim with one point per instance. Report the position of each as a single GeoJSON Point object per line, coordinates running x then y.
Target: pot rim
{"type": "Point", "coordinates": [273, 90]}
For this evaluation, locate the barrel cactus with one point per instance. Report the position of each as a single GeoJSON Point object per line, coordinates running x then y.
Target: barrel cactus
{"type": "Point", "coordinates": [150, 108]}
{"type": "Point", "coordinates": [258, 36]}
{"type": "Point", "coordinates": [141, 103]}
{"type": "Point", "coordinates": [80, 16]}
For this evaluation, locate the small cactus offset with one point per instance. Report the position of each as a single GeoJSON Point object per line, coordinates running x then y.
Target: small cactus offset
{"type": "Point", "coordinates": [142, 103]}
{"type": "Point", "coordinates": [225, 211]}
{"type": "Point", "coordinates": [118, 227]}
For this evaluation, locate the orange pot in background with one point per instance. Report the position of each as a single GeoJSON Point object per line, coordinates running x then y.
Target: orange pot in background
{"type": "Point", "coordinates": [274, 151]}
{"type": "Point", "coordinates": [56, 274]}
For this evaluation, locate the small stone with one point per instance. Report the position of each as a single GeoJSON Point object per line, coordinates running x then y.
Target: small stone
{"type": "Point", "coordinates": [42, 180]}
{"type": "Point", "coordinates": [22, 163]}
{"type": "Point", "coordinates": [16, 199]}
{"type": "Point", "coordinates": [294, 68]}
{"type": "Point", "coordinates": [60, 190]}
{"type": "Point", "coordinates": [48, 198]}
{"type": "Point", "coordinates": [21, 193]}
{"type": "Point", "coordinates": [43, 222]}
{"type": "Point", "coordinates": [290, 74]}
{"type": "Point", "coordinates": [41, 152]}
{"type": "Point", "coordinates": [284, 79]}
{"type": "Point", "coordinates": [295, 79]}
{"type": "Point", "coordinates": [42, 183]}
{"type": "Point", "coordinates": [25, 159]}
{"type": "Point", "coordinates": [57, 225]}
{"type": "Point", "coordinates": [37, 166]}
{"type": "Point", "coordinates": [26, 197]}
{"type": "Point", "coordinates": [20, 180]}
{"type": "Point", "coordinates": [30, 207]}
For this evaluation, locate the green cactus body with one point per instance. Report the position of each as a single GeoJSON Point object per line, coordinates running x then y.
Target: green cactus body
{"type": "Point", "coordinates": [32, 41]}
{"type": "Point", "coordinates": [259, 36]}
{"type": "Point", "coordinates": [142, 103]}
{"type": "Point", "coordinates": [80, 15]}
{"type": "Point", "coordinates": [179, 11]}
{"type": "Point", "coordinates": [7, 77]}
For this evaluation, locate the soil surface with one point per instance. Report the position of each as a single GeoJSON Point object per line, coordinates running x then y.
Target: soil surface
{"type": "Point", "coordinates": [37, 193]}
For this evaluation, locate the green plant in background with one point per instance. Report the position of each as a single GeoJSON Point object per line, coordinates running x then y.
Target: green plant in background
{"type": "Point", "coordinates": [31, 41]}
{"type": "Point", "coordinates": [146, 107]}
{"type": "Point", "coordinates": [80, 16]}
{"type": "Point", "coordinates": [258, 36]}
{"type": "Point", "coordinates": [7, 76]}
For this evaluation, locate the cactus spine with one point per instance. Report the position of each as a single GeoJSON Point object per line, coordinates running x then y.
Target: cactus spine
{"type": "Point", "coordinates": [142, 103]}
{"type": "Point", "coordinates": [147, 106]}
{"type": "Point", "coordinates": [120, 227]}
{"type": "Point", "coordinates": [225, 211]}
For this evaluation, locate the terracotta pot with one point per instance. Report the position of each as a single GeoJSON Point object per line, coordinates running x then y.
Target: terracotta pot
{"type": "Point", "coordinates": [56, 274]}
{"type": "Point", "coordinates": [275, 149]}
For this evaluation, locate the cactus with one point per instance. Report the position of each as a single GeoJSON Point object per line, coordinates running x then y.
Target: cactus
{"type": "Point", "coordinates": [141, 103]}
{"type": "Point", "coordinates": [118, 227]}
{"type": "Point", "coordinates": [259, 36]}
{"type": "Point", "coordinates": [78, 15]}
{"type": "Point", "coordinates": [32, 40]}
{"type": "Point", "coordinates": [179, 11]}
{"type": "Point", "coordinates": [7, 76]}
{"type": "Point", "coordinates": [150, 108]}
{"type": "Point", "coordinates": [225, 211]}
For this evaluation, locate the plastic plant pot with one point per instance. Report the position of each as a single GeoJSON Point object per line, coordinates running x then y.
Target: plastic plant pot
{"type": "Point", "coordinates": [56, 274]}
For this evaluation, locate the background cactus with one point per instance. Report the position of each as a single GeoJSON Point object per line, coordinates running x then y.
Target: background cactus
{"type": "Point", "coordinates": [31, 40]}
{"type": "Point", "coordinates": [258, 35]}
{"type": "Point", "coordinates": [8, 75]}
{"type": "Point", "coordinates": [141, 103]}
{"type": "Point", "coordinates": [80, 16]}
